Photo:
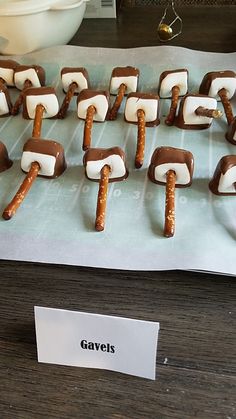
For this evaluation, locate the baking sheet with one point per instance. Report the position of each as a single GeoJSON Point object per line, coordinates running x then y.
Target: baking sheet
{"type": "Point", "coordinates": [55, 224]}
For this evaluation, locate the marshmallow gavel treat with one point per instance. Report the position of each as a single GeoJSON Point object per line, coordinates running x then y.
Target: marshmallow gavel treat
{"type": "Point", "coordinates": [197, 112]}
{"type": "Point", "coordinates": [39, 103]}
{"type": "Point", "coordinates": [92, 105]}
{"type": "Point", "coordinates": [173, 84]}
{"type": "Point", "coordinates": [142, 109]}
{"type": "Point", "coordinates": [7, 69]}
{"type": "Point", "coordinates": [231, 133]}
{"type": "Point", "coordinates": [74, 79]}
{"type": "Point", "coordinates": [40, 157]}
{"type": "Point", "coordinates": [224, 178]}
{"type": "Point", "coordinates": [172, 167]}
{"type": "Point", "coordinates": [26, 76]}
{"type": "Point", "coordinates": [104, 166]}
{"type": "Point", "coordinates": [5, 162]}
{"type": "Point", "coordinates": [222, 86]}
{"type": "Point", "coordinates": [124, 80]}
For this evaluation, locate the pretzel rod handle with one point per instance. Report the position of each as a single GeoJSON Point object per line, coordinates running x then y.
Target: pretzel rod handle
{"type": "Point", "coordinates": [38, 121]}
{"type": "Point", "coordinates": [16, 107]}
{"type": "Point", "coordinates": [169, 228]}
{"type": "Point", "coordinates": [174, 102]}
{"type": "Point", "coordinates": [139, 157]}
{"type": "Point", "coordinates": [116, 105]}
{"type": "Point", "coordinates": [102, 198]}
{"type": "Point", "coordinates": [88, 127]}
{"type": "Point", "coordinates": [227, 105]}
{"type": "Point", "coordinates": [209, 113]}
{"type": "Point", "coordinates": [67, 99]}
{"type": "Point", "coordinates": [12, 207]}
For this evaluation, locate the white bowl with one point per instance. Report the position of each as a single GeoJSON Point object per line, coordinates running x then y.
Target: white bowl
{"type": "Point", "coordinates": [26, 25]}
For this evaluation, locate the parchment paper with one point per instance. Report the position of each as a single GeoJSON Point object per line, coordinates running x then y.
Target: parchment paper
{"type": "Point", "coordinates": [55, 224]}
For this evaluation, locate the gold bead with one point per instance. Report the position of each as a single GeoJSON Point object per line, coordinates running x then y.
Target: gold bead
{"type": "Point", "coordinates": [164, 32]}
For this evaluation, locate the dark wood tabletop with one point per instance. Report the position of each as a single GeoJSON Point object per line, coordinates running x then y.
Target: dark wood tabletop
{"type": "Point", "coordinates": [196, 360]}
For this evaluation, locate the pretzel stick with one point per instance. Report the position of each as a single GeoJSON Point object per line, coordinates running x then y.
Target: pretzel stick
{"type": "Point", "coordinates": [10, 210]}
{"type": "Point", "coordinates": [66, 102]}
{"type": "Point", "coordinates": [102, 198]}
{"type": "Point", "coordinates": [139, 157]}
{"type": "Point", "coordinates": [16, 107]}
{"type": "Point", "coordinates": [227, 105]}
{"type": "Point", "coordinates": [174, 102]}
{"type": "Point", "coordinates": [88, 127]}
{"type": "Point", "coordinates": [38, 121]}
{"type": "Point", "coordinates": [210, 113]}
{"type": "Point", "coordinates": [3, 81]}
{"type": "Point", "coordinates": [117, 103]}
{"type": "Point", "coordinates": [169, 228]}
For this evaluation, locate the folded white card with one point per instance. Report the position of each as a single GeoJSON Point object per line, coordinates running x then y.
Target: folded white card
{"type": "Point", "coordinates": [91, 340]}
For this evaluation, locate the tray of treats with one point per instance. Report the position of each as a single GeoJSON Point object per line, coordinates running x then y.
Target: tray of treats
{"type": "Point", "coordinates": [121, 159]}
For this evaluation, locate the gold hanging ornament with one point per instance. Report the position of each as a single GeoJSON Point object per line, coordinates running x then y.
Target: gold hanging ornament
{"type": "Point", "coordinates": [164, 30]}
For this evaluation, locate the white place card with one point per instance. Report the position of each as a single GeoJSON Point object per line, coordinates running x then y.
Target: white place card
{"type": "Point", "coordinates": [95, 341]}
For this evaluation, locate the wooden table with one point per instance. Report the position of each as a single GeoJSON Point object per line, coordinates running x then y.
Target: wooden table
{"type": "Point", "coordinates": [196, 361]}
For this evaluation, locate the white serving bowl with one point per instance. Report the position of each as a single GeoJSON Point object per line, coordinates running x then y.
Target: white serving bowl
{"type": "Point", "coordinates": [27, 25]}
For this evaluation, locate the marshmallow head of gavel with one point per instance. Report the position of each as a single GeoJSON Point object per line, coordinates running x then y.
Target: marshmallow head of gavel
{"type": "Point", "coordinates": [148, 103]}
{"type": "Point", "coordinates": [45, 96]}
{"type": "Point", "coordinates": [34, 75]}
{"type": "Point", "coordinates": [98, 99]}
{"type": "Point", "coordinates": [223, 181]}
{"type": "Point", "coordinates": [173, 78]}
{"type": "Point", "coordinates": [5, 162]}
{"type": "Point", "coordinates": [127, 76]}
{"type": "Point", "coordinates": [7, 70]}
{"type": "Point", "coordinates": [77, 75]}
{"type": "Point", "coordinates": [193, 110]}
{"type": "Point", "coordinates": [5, 101]}
{"type": "Point", "coordinates": [214, 81]}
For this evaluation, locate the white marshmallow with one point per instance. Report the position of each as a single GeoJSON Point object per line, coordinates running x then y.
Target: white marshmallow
{"type": "Point", "coordinates": [179, 79]}
{"type": "Point", "coordinates": [76, 77]}
{"type": "Point", "coordinates": [49, 101]}
{"type": "Point", "coordinates": [4, 109]}
{"type": "Point", "coordinates": [227, 180]}
{"type": "Point", "coordinates": [114, 161]}
{"type": "Point", "coordinates": [149, 106]}
{"type": "Point", "coordinates": [100, 103]}
{"type": "Point", "coordinates": [7, 74]}
{"type": "Point", "coordinates": [228, 83]}
{"type": "Point", "coordinates": [191, 103]}
{"type": "Point", "coordinates": [180, 169]}
{"type": "Point", "coordinates": [131, 83]}
{"type": "Point", "coordinates": [30, 74]}
{"type": "Point", "coordinates": [46, 162]}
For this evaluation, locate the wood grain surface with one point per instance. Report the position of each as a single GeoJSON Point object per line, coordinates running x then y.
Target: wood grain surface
{"type": "Point", "coordinates": [196, 360]}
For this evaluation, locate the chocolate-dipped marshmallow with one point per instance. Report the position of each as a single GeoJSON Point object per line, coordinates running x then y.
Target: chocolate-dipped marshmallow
{"type": "Point", "coordinates": [197, 112]}
{"type": "Point", "coordinates": [222, 86]}
{"type": "Point", "coordinates": [231, 133]}
{"type": "Point", "coordinates": [172, 167]}
{"type": "Point", "coordinates": [142, 109]}
{"type": "Point", "coordinates": [26, 76]}
{"type": "Point", "coordinates": [40, 158]}
{"type": "Point", "coordinates": [224, 178]}
{"type": "Point", "coordinates": [104, 166]}
{"type": "Point", "coordinates": [92, 105]}
{"type": "Point", "coordinates": [173, 84]}
{"type": "Point", "coordinates": [7, 69]}
{"type": "Point", "coordinates": [5, 101]}
{"type": "Point", "coordinates": [5, 162]}
{"type": "Point", "coordinates": [74, 79]}
{"type": "Point", "coordinates": [124, 80]}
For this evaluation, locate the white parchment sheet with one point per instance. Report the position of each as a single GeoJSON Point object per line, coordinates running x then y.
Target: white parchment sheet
{"type": "Point", "coordinates": [55, 224]}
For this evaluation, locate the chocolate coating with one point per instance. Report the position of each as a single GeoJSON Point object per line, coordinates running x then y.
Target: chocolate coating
{"type": "Point", "coordinates": [164, 74]}
{"type": "Point", "coordinates": [88, 94]}
{"type": "Point", "coordinates": [179, 120]}
{"type": "Point", "coordinates": [35, 91]}
{"type": "Point", "coordinates": [93, 154]}
{"type": "Point", "coordinates": [231, 133]}
{"type": "Point", "coordinates": [162, 155]}
{"type": "Point", "coordinates": [38, 69]}
{"type": "Point", "coordinates": [51, 148]}
{"type": "Point", "coordinates": [225, 163]}
{"type": "Point", "coordinates": [4, 90]}
{"type": "Point", "coordinates": [212, 75]}
{"type": "Point", "coordinates": [147, 96]}
{"type": "Point", "coordinates": [5, 162]}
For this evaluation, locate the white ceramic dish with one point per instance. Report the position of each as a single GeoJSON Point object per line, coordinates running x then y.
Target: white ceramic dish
{"type": "Point", "coordinates": [26, 25]}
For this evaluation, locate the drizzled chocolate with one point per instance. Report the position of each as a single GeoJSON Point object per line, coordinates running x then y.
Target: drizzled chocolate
{"type": "Point", "coordinates": [145, 96]}
{"type": "Point", "coordinates": [35, 91]}
{"type": "Point", "coordinates": [212, 75]}
{"type": "Point", "coordinates": [231, 133]}
{"type": "Point", "coordinates": [225, 164]}
{"type": "Point", "coordinates": [95, 154]}
{"type": "Point", "coordinates": [5, 162]}
{"type": "Point", "coordinates": [40, 72]}
{"type": "Point", "coordinates": [163, 155]}
{"type": "Point", "coordinates": [50, 148]}
{"type": "Point", "coordinates": [5, 93]}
